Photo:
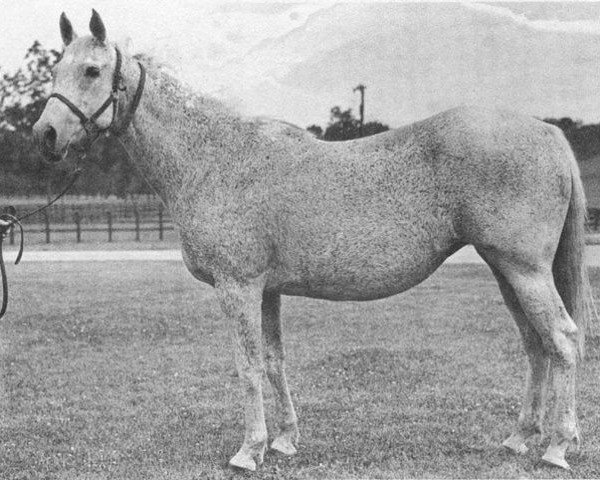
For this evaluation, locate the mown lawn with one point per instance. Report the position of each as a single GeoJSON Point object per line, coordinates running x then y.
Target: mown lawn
{"type": "Point", "coordinates": [123, 371]}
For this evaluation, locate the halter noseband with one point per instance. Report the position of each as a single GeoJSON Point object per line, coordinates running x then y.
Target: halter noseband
{"type": "Point", "coordinates": [90, 126]}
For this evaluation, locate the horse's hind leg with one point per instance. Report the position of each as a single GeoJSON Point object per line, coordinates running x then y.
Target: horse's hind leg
{"type": "Point", "coordinates": [274, 360]}
{"type": "Point", "coordinates": [533, 285]}
{"type": "Point", "coordinates": [532, 409]}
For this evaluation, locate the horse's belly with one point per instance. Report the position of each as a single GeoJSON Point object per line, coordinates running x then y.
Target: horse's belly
{"type": "Point", "coordinates": [362, 277]}
{"type": "Point", "coordinates": [350, 289]}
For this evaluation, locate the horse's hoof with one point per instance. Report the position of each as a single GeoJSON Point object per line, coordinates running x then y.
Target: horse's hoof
{"type": "Point", "coordinates": [284, 445]}
{"type": "Point", "coordinates": [248, 460]}
{"type": "Point", "coordinates": [515, 444]}
{"type": "Point", "coordinates": [555, 456]}
{"type": "Point", "coordinates": [244, 462]}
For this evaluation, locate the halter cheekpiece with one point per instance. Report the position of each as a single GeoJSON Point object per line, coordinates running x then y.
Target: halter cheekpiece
{"type": "Point", "coordinates": [89, 124]}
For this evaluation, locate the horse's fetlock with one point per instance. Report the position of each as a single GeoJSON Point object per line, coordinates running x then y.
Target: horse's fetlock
{"type": "Point", "coordinates": [273, 358]}
{"type": "Point", "coordinates": [567, 357]}
{"type": "Point", "coordinates": [530, 428]}
{"type": "Point", "coordinates": [251, 377]}
{"type": "Point", "coordinates": [256, 444]}
{"type": "Point", "coordinates": [289, 425]}
{"type": "Point", "coordinates": [257, 439]}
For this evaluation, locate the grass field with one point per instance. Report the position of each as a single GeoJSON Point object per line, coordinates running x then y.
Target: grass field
{"type": "Point", "coordinates": [123, 371]}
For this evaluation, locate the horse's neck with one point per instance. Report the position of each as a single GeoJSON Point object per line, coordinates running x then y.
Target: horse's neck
{"type": "Point", "coordinates": [173, 140]}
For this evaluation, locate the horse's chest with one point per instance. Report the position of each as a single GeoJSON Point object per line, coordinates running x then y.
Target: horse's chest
{"type": "Point", "coordinates": [198, 251]}
{"type": "Point", "coordinates": [197, 264]}
{"type": "Point", "coordinates": [215, 249]}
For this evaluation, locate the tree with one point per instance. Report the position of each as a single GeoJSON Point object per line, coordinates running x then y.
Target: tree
{"type": "Point", "coordinates": [344, 126]}
{"type": "Point", "coordinates": [315, 130]}
{"type": "Point", "coordinates": [24, 92]}
{"type": "Point", "coordinates": [372, 128]}
{"type": "Point", "coordinates": [584, 139]}
{"type": "Point", "coordinates": [566, 124]}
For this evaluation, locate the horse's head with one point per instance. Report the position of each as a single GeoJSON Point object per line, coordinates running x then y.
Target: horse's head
{"type": "Point", "coordinates": [85, 95]}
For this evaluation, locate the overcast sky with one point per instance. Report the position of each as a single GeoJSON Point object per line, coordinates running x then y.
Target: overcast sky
{"type": "Point", "coordinates": [211, 30]}
{"type": "Point", "coordinates": [223, 48]}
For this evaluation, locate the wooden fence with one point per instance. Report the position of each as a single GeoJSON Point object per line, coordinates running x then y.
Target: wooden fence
{"type": "Point", "coordinates": [593, 219]}
{"type": "Point", "coordinates": [160, 224]}
{"type": "Point", "coordinates": [110, 218]}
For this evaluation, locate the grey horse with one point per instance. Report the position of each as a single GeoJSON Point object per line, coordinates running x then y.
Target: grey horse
{"type": "Point", "coordinates": [264, 209]}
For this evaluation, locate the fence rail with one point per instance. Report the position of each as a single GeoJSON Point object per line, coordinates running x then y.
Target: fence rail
{"type": "Point", "coordinates": [79, 229]}
{"type": "Point", "coordinates": [593, 219]}
{"type": "Point", "coordinates": [78, 217]}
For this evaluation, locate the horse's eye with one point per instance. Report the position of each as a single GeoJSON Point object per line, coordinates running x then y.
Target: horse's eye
{"type": "Point", "coordinates": [92, 72]}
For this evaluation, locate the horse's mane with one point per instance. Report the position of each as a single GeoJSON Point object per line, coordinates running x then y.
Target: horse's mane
{"type": "Point", "coordinates": [181, 92]}
{"type": "Point", "coordinates": [205, 106]}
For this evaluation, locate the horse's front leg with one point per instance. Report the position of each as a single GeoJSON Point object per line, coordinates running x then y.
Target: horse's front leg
{"type": "Point", "coordinates": [241, 303]}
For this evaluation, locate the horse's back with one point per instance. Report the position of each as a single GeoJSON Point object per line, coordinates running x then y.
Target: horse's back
{"type": "Point", "coordinates": [378, 215]}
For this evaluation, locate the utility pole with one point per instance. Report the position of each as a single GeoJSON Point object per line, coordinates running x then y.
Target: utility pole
{"type": "Point", "coordinates": [361, 88]}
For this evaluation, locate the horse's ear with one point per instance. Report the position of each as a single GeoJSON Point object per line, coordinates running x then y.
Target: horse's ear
{"type": "Point", "coordinates": [66, 30]}
{"type": "Point", "coordinates": [97, 27]}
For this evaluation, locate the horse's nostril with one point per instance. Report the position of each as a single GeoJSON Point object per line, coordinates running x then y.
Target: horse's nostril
{"type": "Point", "coordinates": [50, 137]}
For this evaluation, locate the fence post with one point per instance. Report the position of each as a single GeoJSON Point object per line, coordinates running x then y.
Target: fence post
{"type": "Point", "coordinates": [77, 218]}
{"type": "Point", "coordinates": [137, 226]}
{"type": "Point", "coordinates": [160, 221]}
{"type": "Point", "coordinates": [109, 218]}
{"type": "Point", "coordinates": [47, 225]}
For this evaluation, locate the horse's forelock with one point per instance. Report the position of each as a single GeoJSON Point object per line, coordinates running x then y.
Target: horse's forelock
{"type": "Point", "coordinates": [84, 48]}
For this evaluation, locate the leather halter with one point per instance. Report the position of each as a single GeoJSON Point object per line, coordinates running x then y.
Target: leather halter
{"type": "Point", "coordinates": [90, 126]}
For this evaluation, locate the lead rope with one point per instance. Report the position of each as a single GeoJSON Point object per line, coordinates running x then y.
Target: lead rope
{"type": "Point", "coordinates": [11, 220]}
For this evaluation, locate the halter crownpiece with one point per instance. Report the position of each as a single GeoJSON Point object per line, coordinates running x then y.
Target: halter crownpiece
{"type": "Point", "coordinates": [90, 126]}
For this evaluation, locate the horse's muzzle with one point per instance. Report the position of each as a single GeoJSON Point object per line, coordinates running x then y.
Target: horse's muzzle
{"type": "Point", "coordinates": [45, 137]}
